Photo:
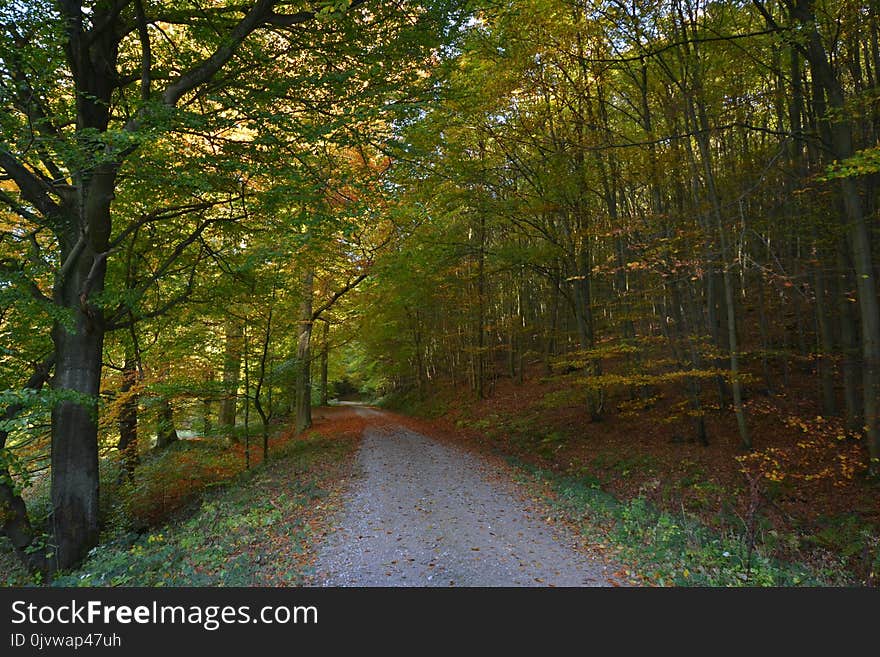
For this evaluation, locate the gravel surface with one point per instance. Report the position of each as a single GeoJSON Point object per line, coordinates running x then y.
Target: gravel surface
{"type": "Point", "coordinates": [421, 513]}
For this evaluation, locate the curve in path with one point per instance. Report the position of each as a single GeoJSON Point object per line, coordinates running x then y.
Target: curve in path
{"type": "Point", "coordinates": [426, 514]}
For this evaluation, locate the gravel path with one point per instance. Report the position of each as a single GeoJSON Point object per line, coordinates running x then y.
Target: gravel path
{"type": "Point", "coordinates": [425, 514]}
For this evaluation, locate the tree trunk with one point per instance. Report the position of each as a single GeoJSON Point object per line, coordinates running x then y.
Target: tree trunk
{"type": "Point", "coordinates": [418, 361]}
{"type": "Point", "coordinates": [690, 358]}
{"type": "Point", "coordinates": [207, 405]}
{"type": "Point", "coordinates": [849, 344]}
{"type": "Point", "coordinates": [304, 357]}
{"type": "Point", "coordinates": [207, 427]}
{"type": "Point", "coordinates": [79, 349]}
{"type": "Point", "coordinates": [690, 323]}
{"type": "Point", "coordinates": [550, 337]}
{"type": "Point", "coordinates": [261, 379]}
{"type": "Point", "coordinates": [325, 361]}
{"type": "Point", "coordinates": [825, 345]}
{"type": "Point", "coordinates": [247, 397]}
{"type": "Point", "coordinates": [521, 327]}
{"type": "Point", "coordinates": [128, 417]}
{"type": "Point", "coordinates": [584, 319]}
{"type": "Point", "coordinates": [764, 329]}
{"type": "Point", "coordinates": [231, 375]}
{"type": "Point", "coordinates": [481, 310]}
{"type": "Point", "coordinates": [166, 433]}
{"type": "Point", "coordinates": [75, 443]}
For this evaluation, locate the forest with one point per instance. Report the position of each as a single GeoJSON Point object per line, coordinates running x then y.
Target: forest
{"type": "Point", "coordinates": [626, 243]}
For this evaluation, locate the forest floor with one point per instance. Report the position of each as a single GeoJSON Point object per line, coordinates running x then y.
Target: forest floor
{"type": "Point", "coordinates": [797, 509]}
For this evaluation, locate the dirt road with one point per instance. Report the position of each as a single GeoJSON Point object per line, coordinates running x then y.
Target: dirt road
{"type": "Point", "coordinates": [422, 513]}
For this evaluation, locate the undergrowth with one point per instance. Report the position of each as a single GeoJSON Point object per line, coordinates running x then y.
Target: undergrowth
{"type": "Point", "coordinates": [672, 549]}
{"type": "Point", "coordinates": [194, 518]}
{"type": "Point", "coordinates": [410, 402]}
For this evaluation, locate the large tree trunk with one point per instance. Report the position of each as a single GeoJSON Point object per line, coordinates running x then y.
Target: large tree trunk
{"type": "Point", "coordinates": [304, 357]}
{"type": "Point", "coordinates": [79, 349]}
{"type": "Point", "coordinates": [83, 230]}
{"type": "Point", "coordinates": [75, 439]}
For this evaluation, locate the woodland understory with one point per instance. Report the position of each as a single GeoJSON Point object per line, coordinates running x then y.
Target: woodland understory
{"type": "Point", "coordinates": [632, 246]}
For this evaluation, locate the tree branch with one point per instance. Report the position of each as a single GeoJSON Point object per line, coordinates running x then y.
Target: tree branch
{"type": "Point", "coordinates": [115, 324]}
{"type": "Point", "coordinates": [14, 269]}
{"type": "Point", "coordinates": [209, 67]}
{"type": "Point", "coordinates": [143, 286]}
{"type": "Point", "coordinates": [162, 215]}
{"type": "Point", "coordinates": [33, 188]}
{"type": "Point", "coordinates": [99, 260]}
{"type": "Point", "coordinates": [146, 52]}
{"type": "Point", "coordinates": [72, 257]}
{"type": "Point", "coordinates": [18, 208]}
{"type": "Point", "coordinates": [339, 293]}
